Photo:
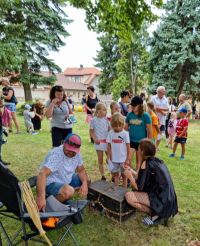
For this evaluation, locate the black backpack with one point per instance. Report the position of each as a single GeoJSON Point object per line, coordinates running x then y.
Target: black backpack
{"type": "Point", "coordinates": [9, 189]}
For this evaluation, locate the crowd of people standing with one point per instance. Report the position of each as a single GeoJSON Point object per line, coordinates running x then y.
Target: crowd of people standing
{"type": "Point", "coordinates": [135, 127]}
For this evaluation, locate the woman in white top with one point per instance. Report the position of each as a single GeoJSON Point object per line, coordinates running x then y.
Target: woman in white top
{"type": "Point", "coordinates": [58, 110]}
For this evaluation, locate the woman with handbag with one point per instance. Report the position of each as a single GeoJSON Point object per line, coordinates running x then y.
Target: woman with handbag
{"type": "Point", "coordinates": [10, 102]}
{"type": "Point", "coordinates": [59, 110]}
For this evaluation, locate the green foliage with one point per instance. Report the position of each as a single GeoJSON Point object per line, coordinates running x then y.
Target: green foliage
{"type": "Point", "coordinates": [175, 52]}
{"type": "Point", "coordinates": [31, 29]}
{"type": "Point", "coordinates": [122, 55]}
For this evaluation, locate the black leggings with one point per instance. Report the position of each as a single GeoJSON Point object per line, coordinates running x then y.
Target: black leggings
{"type": "Point", "coordinates": [58, 135]}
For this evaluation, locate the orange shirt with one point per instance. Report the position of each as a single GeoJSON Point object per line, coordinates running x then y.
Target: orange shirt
{"type": "Point", "coordinates": [155, 122]}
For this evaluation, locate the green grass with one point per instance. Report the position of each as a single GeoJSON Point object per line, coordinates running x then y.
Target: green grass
{"type": "Point", "coordinates": [26, 152]}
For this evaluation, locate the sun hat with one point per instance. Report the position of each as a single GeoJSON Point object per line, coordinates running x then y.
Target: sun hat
{"type": "Point", "coordinates": [73, 142]}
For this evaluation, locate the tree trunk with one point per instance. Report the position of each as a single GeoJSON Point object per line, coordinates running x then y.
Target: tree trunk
{"type": "Point", "coordinates": [26, 83]}
{"type": "Point", "coordinates": [27, 92]}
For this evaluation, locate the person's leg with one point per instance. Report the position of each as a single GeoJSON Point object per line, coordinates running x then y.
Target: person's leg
{"type": "Point", "coordinates": [56, 135]}
{"type": "Point", "coordinates": [13, 114]}
{"type": "Point", "coordinates": [62, 192]}
{"type": "Point", "coordinates": [138, 200]}
{"type": "Point", "coordinates": [65, 133]}
{"type": "Point", "coordinates": [182, 150]}
{"type": "Point", "coordinates": [116, 178]}
{"type": "Point", "coordinates": [124, 180]}
{"type": "Point", "coordinates": [100, 162]}
{"type": "Point", "coordinates": [175, 147]}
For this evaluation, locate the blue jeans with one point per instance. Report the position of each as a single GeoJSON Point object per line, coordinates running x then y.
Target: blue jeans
{"type": "Point", "coordinates": [54, 188]}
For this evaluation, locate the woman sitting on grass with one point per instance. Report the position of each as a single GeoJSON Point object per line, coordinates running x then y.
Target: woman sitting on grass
{"type": "Point", "coordinates": [155, 194]}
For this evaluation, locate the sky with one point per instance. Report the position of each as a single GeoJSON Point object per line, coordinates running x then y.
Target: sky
{"type": "Point", "coordinates": [82, 45]}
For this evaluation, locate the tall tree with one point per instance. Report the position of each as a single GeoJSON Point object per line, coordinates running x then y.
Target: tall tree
{"type": "Point", "coordinates": [32, 28]}
{"type": "Point", "coordinates": [175, 52]}
{"type": "Point", "coordinates": [119, 21]}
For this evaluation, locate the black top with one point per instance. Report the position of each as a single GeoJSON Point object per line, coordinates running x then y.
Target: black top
{"type": "Point", "coordinates": [5, 93]}
{"type": "Point", "coordinates": [156, 181]}
{"type": "Point", "coordinates": [91, 103]}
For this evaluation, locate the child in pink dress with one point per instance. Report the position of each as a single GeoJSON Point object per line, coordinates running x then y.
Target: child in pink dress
{"type": "Point", "coordinates": [171, 129]}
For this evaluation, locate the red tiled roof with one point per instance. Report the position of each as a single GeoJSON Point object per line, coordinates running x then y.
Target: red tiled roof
{"type": "Point", "coordinates": [80, 71]}
{"type": "Point", "coordinates": [68, 84]}
{"type": "Point", "coordinates": [89, 80]}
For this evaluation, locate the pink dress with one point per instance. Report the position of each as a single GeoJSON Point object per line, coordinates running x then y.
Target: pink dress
{"type": "Point", "coordinates": [171, 128]}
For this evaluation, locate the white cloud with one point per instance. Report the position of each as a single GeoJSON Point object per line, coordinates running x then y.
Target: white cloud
{"type": "Point", "coordinates": [81, 46]}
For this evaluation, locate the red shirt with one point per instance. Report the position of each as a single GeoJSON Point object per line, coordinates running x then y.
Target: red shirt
{"type": "Point", "coordinates": [180, 125]}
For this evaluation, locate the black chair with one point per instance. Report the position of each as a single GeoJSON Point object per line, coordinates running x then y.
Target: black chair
{"type": "Point", "coordinates": [11, 205]}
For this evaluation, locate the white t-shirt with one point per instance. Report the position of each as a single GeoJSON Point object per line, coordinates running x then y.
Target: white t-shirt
{"type": "Point", "coordinates": [160, 103]}
{"type": "Point", "coordinates": [100, 127]}
{"type": "Point", "coordinates": [62, 167]}
{"type": "Point", "coordinates": [118, 141]}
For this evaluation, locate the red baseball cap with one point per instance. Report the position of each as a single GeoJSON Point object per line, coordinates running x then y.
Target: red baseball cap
{"type": "Point", "coordinates": [73, 142]}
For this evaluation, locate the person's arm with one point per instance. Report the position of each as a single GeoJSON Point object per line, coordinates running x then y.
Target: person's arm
{"type": "Point", "coordinates": [149, 131]}
{"type": "Point", "coordinates": [41, 186]}
{"type": "Point", "coordinates": [128, 157]}
{"type": "Point", "coordinates": [83, 177]}
{"type": "Point", "coordinates": [93, 135]}
{"type": "Point", "coordinates": [109, 155]}
{"type": "Point", "coordinates": [128, 172]}
{"type": "Point", "coordinates": [50, 108]}
{"type": "Point", "coordinates": [9, 96]}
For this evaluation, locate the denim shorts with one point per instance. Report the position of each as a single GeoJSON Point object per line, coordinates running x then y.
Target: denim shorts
{"type": "Point", "coordinates": [54, 188]}
{"type": "Point", "coordinates": [11, 107]}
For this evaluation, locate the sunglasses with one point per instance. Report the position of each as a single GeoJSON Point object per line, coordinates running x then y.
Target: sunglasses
{"type": "Point", "coordinates": [73, 144]}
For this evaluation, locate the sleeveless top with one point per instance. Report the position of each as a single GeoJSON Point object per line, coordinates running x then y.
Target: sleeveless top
{"type": "Point", "coordinates": [91, 103]}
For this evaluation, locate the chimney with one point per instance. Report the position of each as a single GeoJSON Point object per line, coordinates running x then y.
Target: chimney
{"type": "Point", "coordinates": [81, 66]}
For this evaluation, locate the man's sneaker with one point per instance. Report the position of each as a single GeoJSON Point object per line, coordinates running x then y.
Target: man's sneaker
{"type": "Point", "coordinates": [172, 155]}
{"type": "Point", "coordinates": [182, 158]}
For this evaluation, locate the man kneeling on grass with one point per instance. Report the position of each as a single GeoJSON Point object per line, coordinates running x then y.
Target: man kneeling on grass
{"type": "Point", "coordinates": [62, 172]}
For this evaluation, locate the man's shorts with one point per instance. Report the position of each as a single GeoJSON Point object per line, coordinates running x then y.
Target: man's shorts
{"type": "Point", "coordinates": [180, 140]}
{"type": "Point", "coordinates": [162, 128]}
{"type": "Point", "coordinates": [134, 145]}
{"type": "Point", "coordinates": [11, 107]}
{"type": "Point", "coordinates": [54, 188]}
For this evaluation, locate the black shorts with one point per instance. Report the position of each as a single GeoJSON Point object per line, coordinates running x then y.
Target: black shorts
{"type": "Point", "coordinates": [58, 135]}
{"type": "Point", "coordinates": [162, 128]}
{"type": "Point", "coordinates": [134, 145]}
{"type": "Point", "coordinates": [180, 140]}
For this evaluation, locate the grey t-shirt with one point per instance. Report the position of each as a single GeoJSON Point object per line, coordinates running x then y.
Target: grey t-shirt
{"type": "Point", "coordinates": [60, 115]}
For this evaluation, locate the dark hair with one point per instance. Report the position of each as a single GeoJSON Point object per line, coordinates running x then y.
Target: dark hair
{"type": "Point", "coordinates": [124, 93]}
{"type": "Point", "coordinates": [148, 148]}
{"type": "Point", "coordinates": [54, 89]}
{"type": "Point", "coordinates": [142, 94]}
{"type": "Point", "coordinates": [140, 110]}
{"type": "Point", "coordinates": [91, 88]}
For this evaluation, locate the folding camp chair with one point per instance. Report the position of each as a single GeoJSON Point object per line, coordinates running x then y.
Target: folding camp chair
{"type": "Point", "coordinates": [11, 205]}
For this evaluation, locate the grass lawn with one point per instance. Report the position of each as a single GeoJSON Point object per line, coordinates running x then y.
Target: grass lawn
{"type": "Point", "coordinates": [26, 152]}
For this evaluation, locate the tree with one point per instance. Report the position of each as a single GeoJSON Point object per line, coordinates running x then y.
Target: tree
{"type": "Point", "coordinates": [31, 28]}
{"type": "Point", "coordinates": [118, 22]}
{"type": "Point", "coordinates": [175, 49]}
